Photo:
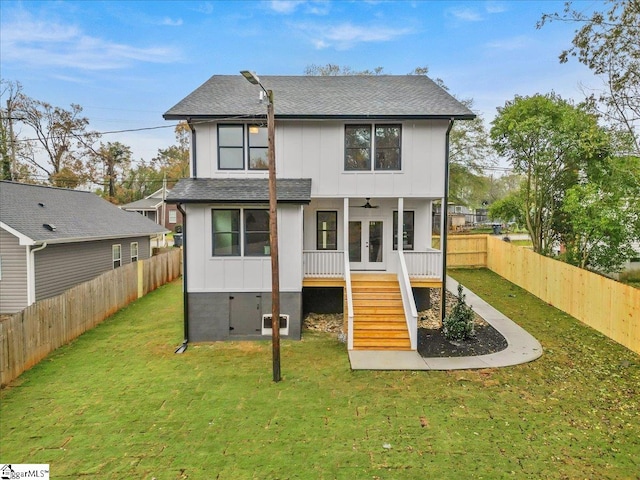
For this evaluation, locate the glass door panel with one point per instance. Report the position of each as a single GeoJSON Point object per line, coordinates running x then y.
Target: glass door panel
{"type": "Point", "coordinates": [375, 241]}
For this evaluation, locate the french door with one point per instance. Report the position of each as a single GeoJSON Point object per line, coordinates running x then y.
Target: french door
{"type": "Point", "coordinates": [366, 247]}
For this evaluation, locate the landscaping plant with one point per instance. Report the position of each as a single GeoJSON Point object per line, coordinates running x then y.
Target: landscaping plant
{"type": "Point", "coordinates": [458, 324]}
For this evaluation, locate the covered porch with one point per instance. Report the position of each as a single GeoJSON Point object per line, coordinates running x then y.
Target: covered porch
{"type": "Point", "coordinates": [357, 248]}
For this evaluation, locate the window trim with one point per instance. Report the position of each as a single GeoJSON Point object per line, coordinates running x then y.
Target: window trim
{"type": "Point", "coordinates": [373, 149]}
{"type": "Point", "coordinates": [267, 250]}
{"type": "Point", "coordinates": [226, 125]}
{"type": "Point", "coordinates": [116, 247]}
{"type": "Point", "coordinates": [319, 230]}
{"type": "Point", "coordinates": [134, 258]}
{"type": "Point", "coordinates": [250, 147]}
{"type": "Point", "coordinates": [173, 216]}
{"type": "Point", "coordinates": [394, 224]}
{"type": "Point", "coordinates": [232, 232]}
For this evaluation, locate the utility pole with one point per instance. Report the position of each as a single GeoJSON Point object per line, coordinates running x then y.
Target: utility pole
{"type": "Point", "coordinates": [273, 227]}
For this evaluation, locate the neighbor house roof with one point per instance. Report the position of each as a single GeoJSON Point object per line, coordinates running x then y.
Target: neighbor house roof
{"type": "Point", "coordinates": [150, 202]}
{"type": "Point", "coordinates": [239, 190]}
{"type": "Point", "coordinates": [38, 214]}
{"type": "Point", "coordinates": [352, 96]}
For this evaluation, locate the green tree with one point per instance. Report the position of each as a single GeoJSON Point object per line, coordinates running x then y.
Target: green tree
{"type": "Point", "coordinates": [173, 161]}
{"type": "Point", "coordinates": [508, 208]}
{"type": "Point", "coordinates": [110, 162]}
{"type": "Point", "coordinates": [603, 213]}
{"type": "Point", "coordinates": [552, 143]}
{"type": "Point", "coordinates": [608, 43]}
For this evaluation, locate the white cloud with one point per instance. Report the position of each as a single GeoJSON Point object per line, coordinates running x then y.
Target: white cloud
{"type": "Point", "coordinates": [346, 35]}
{"type": "Point", "coordinates": [466, 14]}
{"type": "Point", "coordinates": [206, 8]}
{"type": "Point", "coordinates": [510, 44]}
{"type": "Point", "coordinates": [43, 44]}
{"type": "Point", "coordinates": [495, 7]}
{"type": "Point", "coordinates": [285, 6]}
{"type": "Point", "coordinates": [171, 22]}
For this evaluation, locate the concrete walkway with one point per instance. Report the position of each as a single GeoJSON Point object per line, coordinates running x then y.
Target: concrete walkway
{"type": "Point", "coordinates": [522, 347]}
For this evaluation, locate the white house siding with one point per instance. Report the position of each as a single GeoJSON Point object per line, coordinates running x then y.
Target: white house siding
{"type": "Point", "coordinates": [242, 274]}
{"type": "Point", "coordinates": [59, 267]}
{"type": "Point", "coordinates": [13, 274]}
{"type": "Point", "coordinates": [315, 149]}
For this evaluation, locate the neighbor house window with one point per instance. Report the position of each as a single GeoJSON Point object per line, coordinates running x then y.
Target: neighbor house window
{"type": "Point", "coordinates": [407, 230]}
{"type": "Point", "coordinates": [258, 148]}
{"type": "Point", "coordinates": [116, 255]}
{"type": "Point", "coordinates": [134, 251]}
{"type": "Point", "coordinates": [385, 145]}
{"type": "Point", "coordinates": [226, 232]}
{"type": "Point", "coordinates": [256, 233]}
{"type": "Point", "coordinates": [173, 216]}
{"type": "Point", "coordinates": [327, 231]}
{"type": "Point", "coordinates": [230, 147]}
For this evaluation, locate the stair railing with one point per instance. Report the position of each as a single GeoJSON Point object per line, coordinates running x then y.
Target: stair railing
{"type": "Point", "coordinates": [347, 286]}
{"type": "Point", "coordinates": [408, 302]}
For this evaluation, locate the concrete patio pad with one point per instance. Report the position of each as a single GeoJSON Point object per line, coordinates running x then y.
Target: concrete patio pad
{"type": "Point", "coordinates": [522, 347]}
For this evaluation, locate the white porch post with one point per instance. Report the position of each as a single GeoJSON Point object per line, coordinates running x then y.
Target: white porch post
{"type": "Point", "coordinates": [345, 224]}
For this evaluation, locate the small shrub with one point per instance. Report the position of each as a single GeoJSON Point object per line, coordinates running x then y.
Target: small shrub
{"type": "Point", "coordinates": [458, 324]}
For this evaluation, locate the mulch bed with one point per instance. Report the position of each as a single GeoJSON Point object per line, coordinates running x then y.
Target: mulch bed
{"type": "Point", "coordinates": [431, 341]}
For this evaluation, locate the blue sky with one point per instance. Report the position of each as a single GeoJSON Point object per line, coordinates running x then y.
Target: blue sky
{"type": "Point", "coordinates": [127, 62]}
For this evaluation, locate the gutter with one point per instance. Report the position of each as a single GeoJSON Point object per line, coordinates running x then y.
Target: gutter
{"type": "Point", "coordinates": [31, 272]}
{"type": "Point", "coordinates": [185, 295]}
{"type": "Point", "coordinates": [444, 209]}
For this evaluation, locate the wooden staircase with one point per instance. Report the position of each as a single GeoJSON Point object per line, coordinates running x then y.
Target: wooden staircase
{"type": "Point", "coordinates": [378, 314]}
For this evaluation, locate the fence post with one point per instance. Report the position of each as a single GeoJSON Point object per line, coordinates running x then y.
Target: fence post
{"type": "Point", "coordinates": [140, 278]}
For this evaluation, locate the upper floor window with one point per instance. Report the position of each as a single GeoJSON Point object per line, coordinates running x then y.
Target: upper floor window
{"type": "Point", "coordinates": [231, 147]}
{"type": "Point", "coordinates": [385, 145]}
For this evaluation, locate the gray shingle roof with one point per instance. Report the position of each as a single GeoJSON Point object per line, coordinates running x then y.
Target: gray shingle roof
{"type": "Point", "coordinates": [239, 190]}
{"type": "Point", "coordinates": [76, 215]}
{"type": "Point", "coordinates": [143, 204]}
{"type": "Point", "coordinates": [353, 96]}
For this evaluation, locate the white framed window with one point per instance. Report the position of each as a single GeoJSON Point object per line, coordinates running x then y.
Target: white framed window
{"type": "Point", "coordinates": [116, 255]}
{"type": "Point", "coordinates": [173, 216]}
{"type": "Point", "coordinates": [134, 252]}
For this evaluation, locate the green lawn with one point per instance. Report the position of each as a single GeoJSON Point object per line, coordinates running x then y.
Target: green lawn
{"type": "Point", "coordinates": [118, 403]}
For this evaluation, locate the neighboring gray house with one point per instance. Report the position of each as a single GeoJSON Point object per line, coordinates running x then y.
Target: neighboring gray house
{"type": "Point", "coordinates": [52, 239]}
{"type": "Point", "coordinates": [354, 154]}
{"type": "Point", "coordinates": [154, 208]}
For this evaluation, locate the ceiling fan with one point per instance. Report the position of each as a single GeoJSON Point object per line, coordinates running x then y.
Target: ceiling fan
{"type": "Point", "coordinates": [368, 204]}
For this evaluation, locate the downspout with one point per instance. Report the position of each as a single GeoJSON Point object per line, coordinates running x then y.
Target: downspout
{"type": "Point", "coordinates": [31, 289]}
{"type": "Point", "coordinates": [185, 295]}
{"type": "Point", "coordinates": [194, 173]}
{"type": "Point", "coordinates": [444, 209]}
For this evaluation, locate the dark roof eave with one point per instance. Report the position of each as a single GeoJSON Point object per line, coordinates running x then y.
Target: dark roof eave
{"type": "Point", "coordinates": [234, 202]}
{"type": "Point", "coordinates": [320, 117]}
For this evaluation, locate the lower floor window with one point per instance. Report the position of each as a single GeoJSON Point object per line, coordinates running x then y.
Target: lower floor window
{"type": "Point", "coordinates": [116, 255]}
{"type": "Point", "coordinates": [407, 230]}
{"type": "Point", "coordinates": [229, 225]}
{"type": "Point", "coordinates": [134, 251]}
{"type": "Point", "coordinates": [327, 230]}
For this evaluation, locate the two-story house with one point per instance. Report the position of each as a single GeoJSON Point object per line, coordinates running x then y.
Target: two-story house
{"type": "Point", "coordinates": [354, 154]}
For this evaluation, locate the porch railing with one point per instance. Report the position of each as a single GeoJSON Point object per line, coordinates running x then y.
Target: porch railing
{"type": "Point", "coordinates": [410, 310]}
{"type": "Point", "coordinates": [426, 264]}
{"type": "Point", "coordinates": [324, 263]}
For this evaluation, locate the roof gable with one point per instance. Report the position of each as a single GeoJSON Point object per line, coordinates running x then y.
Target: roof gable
{"type": "Point", "coordinates": [352, 96]}
{"type": "Point", "coordinates": [58, 215]}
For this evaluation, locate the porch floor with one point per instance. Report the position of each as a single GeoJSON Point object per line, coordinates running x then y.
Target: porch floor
{"type": "Point", "coordinates": [522, 346]}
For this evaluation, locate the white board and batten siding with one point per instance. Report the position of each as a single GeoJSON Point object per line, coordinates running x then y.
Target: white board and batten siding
{"type": "Point", "coordinates": [13, 274]}
{"type": "Point", "coordinates": [238, 273]}
{"type": "Point", "coordinates": [315, 149]}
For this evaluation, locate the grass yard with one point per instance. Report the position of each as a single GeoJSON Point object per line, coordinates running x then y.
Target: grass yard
{"type": "Point", "coordinates": [118, 403]}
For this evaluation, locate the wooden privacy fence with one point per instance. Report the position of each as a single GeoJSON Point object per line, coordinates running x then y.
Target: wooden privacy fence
{"type": "Point", "coordinates": [30, 335]}
{"type": "Point", "coordinates": [608, 306]}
